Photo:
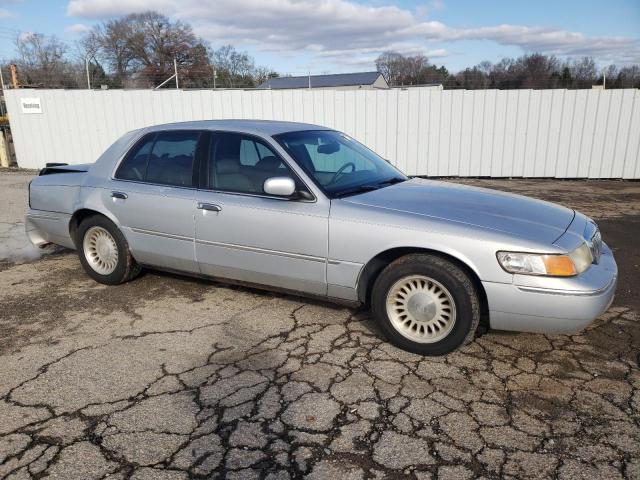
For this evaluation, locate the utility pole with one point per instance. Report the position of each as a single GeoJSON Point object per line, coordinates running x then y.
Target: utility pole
{"type": "Point", "coordinates": [309, 79]}
{"type": "Point", "coordinates": [14, 75]}
{"type": "Point", "coordinates": [86, 66]}
{"type": "Point", "coordinates": [215, 75]}
{"type": "Point", "coordinates": [175, 71]}
{"type": "Point", "coordinates": [604, 78]}
{"type": "Point", "coordinates": [1, 79]}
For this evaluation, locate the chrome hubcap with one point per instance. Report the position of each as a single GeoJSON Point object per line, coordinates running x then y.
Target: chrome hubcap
{"type": "Point", "coordinates": [421, 309]}
{"type": "Point", "coordinates": [100, 250]}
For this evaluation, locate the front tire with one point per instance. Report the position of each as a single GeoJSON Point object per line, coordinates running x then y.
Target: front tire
{"type": "Point", "coordinates": [425, 304]}
{"type": "Point", "coordinates": [104, 251]}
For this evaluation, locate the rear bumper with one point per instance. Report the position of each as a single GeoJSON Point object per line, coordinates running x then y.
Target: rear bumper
{"type": "Point", "coordinates": [568, 310]}
{"type": "Point", "coordinates": [44, 227]}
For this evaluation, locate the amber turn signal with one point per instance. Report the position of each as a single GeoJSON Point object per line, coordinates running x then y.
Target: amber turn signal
{"type": "Point", "coordinates": [559, 265]}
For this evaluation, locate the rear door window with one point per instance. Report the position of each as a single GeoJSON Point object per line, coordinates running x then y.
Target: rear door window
{"type": "Point", "coordinates": [165, 158]}
{"type": "Point", "coordinates": [171, 159]}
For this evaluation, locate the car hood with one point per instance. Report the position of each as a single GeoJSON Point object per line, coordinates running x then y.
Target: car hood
{"type": "Point", "coordinates": [505, 212]}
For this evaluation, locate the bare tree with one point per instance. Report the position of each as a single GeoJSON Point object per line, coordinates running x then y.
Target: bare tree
{"type": "Point", "coordinates": [156, 41]}
{"type": "Point", "coordinates": [535, 70]}
{"type": "Point", "coordinates": [388, 64]}
{"type": "Point", "coordinates": [473, 78]}
{"type": "Point", "coordinates": [399, 69]}
{"type": "Point", "coordinates": [41, 61]}
{"type": "Point", "coordinates": [262, 74]}
{"type": "Point", "coordinates": [584, 71]}
{"type": "Point", "coordinates": [113, 42]}
{"type": "Point", "coordinates": [140, 50]}
{"type": "Point", "coordinates": [238, 69]}
{"type": "Point", "coordinates": [234, 68]}
{"type": "Point", "coordinates": [628, 77]}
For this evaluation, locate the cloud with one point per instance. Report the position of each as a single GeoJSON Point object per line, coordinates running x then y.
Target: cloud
{"type": "Point", "coordinates": [78, 28]}
{"type": "Point", "coordinates": [541, 39]}
{"type": "Point", "coordinates": [425, 9]}
{"type": "Point", "coordinates": [334, 29]}
{"type": "Point", "coordinates": [112, 8]}
{"type": "Point", "coordinates": [4, 13]}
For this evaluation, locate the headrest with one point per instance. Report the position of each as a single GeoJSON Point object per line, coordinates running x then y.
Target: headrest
{"type": "Point", "coordinates": [227, 165]}
{"type": "Point", "coordinates": [269, 163]}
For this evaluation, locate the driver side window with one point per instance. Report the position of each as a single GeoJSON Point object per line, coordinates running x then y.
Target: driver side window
{"type": "Point", "coordinates": [241, 163]}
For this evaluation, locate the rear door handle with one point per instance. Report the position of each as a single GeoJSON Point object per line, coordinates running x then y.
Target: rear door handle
{"type": "Point", "coordinates": [120, 195]}
{"type": "Point", "coordinates": [209, 206]}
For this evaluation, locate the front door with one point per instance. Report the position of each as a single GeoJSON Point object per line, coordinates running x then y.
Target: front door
{"type": "Point", "coordinates": [153, 198]}
{"type": "Point", "coordinates": [244, 234]}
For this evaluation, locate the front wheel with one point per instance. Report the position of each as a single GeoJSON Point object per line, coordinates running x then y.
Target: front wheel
{"type": "Point", "coordinates": [425, 304]}
{"type": "Point", "coordinates": [104, 251]}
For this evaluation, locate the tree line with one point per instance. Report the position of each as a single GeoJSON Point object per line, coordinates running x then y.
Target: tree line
{"type": "Point", "coordinates": [527, 71]}
{"type": "Point", "coordinates": [134, 51]}
{"type": "Point", "coordinates": [138, 51]}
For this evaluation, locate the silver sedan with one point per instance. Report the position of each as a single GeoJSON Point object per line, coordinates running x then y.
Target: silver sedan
{"type": "Point", "coordinates": [307, 209]}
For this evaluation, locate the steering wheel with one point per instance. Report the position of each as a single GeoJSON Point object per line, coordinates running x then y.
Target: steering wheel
{"type": "Point", "coordinates": [341, 171]}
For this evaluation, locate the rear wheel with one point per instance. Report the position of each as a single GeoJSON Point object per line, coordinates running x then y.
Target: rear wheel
{"type": "Point", "coordinates": [425, 304]}
{"type": "Point", "coordinates": [104, 252]}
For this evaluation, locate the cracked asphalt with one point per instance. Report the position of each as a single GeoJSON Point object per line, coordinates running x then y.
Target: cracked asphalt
{"type": "Point", "coordinates": [168, 377]}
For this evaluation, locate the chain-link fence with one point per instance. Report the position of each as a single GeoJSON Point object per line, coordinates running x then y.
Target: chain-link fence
{"type": "Point", "coordinates": [85, 75]}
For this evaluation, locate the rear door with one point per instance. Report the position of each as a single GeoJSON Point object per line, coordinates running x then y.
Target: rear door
{"type": "Point", "coordinates": [153, 197]}
{"type": "Point", "coordinates": [244, 234]}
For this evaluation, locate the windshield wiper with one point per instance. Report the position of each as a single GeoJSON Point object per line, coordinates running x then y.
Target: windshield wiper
{"type": "Point", "coordinates": [367, 187]}
{"type": "Point", "coordinates": [392, 181]}
{"type": "Point", "coordinates": [358, 189]}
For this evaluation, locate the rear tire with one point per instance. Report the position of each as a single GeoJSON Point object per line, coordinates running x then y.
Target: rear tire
{"type": "Point", "coordinates": [104, 252]}
{"type": "Point", "coordinates": [425, 304]}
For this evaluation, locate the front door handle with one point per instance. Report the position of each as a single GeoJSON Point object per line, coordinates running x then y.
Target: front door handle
{"type": "Point", "coordinates": [209, 206]}
{"type": "Point", "coordinates": [120, 195]}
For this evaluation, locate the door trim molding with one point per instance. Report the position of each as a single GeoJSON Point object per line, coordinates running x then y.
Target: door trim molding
{"type": "Point", "coordinates": [161, 234]}
{"type": "Point", "coordinates": [247, 248]}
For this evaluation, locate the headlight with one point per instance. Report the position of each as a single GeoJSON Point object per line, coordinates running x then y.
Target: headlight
{"type": "Point", "coordinates": [554, 265]}
{"type": "Point", "coordinates": [582, 257]}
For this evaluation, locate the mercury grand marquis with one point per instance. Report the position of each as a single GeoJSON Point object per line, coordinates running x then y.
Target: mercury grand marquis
{"type": "Point", "coordinates": [307, 209]}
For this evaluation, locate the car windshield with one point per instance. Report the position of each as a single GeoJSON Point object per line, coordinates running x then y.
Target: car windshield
{"type": "Point", "coordinates": [338, 164]}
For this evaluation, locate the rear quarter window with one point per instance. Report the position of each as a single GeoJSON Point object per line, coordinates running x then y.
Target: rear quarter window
{"type": "Point", "coordinates": [134, 166]}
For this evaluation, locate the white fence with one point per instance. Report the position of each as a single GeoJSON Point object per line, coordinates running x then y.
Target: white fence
{"type": "Point", "coordinates": [493, 133]}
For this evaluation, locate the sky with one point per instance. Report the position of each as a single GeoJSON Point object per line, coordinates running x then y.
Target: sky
{"type": "Point", "coordinates": [330, 36]}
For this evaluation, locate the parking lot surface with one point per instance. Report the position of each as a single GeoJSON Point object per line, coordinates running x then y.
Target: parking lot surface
{"type": "Point", "coordinates": [169, 377]}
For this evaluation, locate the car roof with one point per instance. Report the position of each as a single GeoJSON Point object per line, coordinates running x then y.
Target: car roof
{"type": "Point", "coordinates": [259, 127]}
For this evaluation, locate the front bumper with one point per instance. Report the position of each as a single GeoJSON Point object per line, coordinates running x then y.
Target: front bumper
{"type": "Point", "coordinates": [568, 309]}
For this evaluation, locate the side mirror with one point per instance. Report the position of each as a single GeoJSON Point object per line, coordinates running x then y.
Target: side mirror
{"type": "Point", "coordinates": [280, 186]}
